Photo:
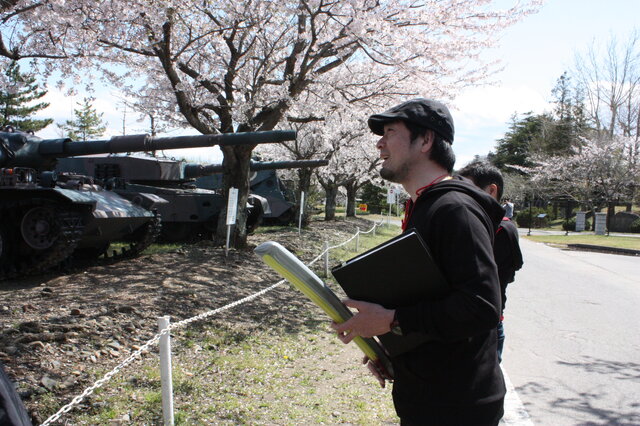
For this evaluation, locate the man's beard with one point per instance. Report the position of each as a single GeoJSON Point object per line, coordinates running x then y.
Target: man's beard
{"type": "Point", "coordinates": [397, 176]}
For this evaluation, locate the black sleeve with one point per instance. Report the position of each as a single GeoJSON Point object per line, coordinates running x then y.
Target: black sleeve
{"type": "Point", "coordinates": [12, 411]}
{"type": "Point", "coordinates": [507, 252]}
{"type": "Point", "coordinates": [460, 238]}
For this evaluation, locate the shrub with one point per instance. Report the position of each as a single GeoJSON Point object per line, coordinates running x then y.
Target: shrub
{"type": "Point", "coordinates": [525, 218]}
{"type": "Point", "coordinates": [635, 226]}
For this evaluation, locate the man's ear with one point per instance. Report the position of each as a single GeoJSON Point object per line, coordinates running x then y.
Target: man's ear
{"type": "Point", "coordinates": [427, 141]}
{"type": "Point", "coordinates": [492, 189]}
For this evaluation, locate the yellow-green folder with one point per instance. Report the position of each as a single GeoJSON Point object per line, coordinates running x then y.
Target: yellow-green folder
{"type": "Point", "coordinates": [303, 279]}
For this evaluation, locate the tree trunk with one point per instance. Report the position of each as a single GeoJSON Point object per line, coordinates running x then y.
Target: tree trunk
{"type": "Point", "coordinates": [236, 174]}
{"type": "Point", "coordinates": [304, 183]}
{"type": "Point", "coordinates": [352, 189]}
{"type": "Point", "coordinates": [330, 202]}
{"type": "Point", "coordinates": [611, 211]}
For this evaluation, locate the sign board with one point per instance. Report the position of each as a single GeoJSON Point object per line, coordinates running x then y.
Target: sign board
{"type": "Point", "coordinates": [580, 221]}
{"type": "Point", "coordinates": [232, 206]}
{"type": "Point", "coordinates": [301, 213]}
{"type": "Point", "coordinates": [392, 193]}
{"type": "Point", "coordinates": [600, 223]}
{"type": "Point", "coordinates": [363, 207]}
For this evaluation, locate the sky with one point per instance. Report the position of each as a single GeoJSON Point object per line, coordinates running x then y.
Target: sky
{"type": "Point", "coordinates": [534, 54]}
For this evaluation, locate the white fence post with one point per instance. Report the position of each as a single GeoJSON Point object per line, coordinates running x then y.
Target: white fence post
{"type": "Point", "coordinates": [165, 372]}
{"type": "Point", "coordinates": [326, 259]}
{"type": "Point", "coordinates": [358, 239]}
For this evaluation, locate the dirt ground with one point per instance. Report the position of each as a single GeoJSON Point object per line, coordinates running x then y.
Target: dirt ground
{"type": "Point", "coordinates": [56, 330]}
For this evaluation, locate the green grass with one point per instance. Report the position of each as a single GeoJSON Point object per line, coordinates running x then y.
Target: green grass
{"type": "Point", "coordinates": [598, 240]}
{"type": "Point", "coordinates": [366, 241]}
{"type": "Point", "coordinates": [262, 373]}
{"type": "Point", "coordinates": [273, 377]}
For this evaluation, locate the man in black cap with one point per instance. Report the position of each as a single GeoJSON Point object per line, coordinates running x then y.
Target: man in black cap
{"type": "Point", "coordinates": [454, 377]}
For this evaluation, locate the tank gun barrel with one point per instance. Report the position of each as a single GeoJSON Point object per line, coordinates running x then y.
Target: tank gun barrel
{"type": "Point", "coordinates": [19, 149]}
{"type": "Point", "coordinates": [198, 170]}
{"type": "Point", "coordinates": [118, 144]}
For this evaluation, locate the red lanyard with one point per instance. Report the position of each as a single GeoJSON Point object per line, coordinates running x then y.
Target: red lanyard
{"type": "Point", "coordinates": [408, 207]}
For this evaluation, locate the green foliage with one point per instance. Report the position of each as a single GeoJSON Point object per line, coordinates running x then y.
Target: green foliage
{"type": "Point", "coordinates": [17, 94]}
{"type": "Point", "coordinates": [374, 196]}
{"type": "Point", "coordinates": [526, 218]}
{"type": "Point", "coordinates": [635, 226]}
{"type": "Point", "coordinates": [87, 124]}
{"type": "Point", "coordinates": [516, 145]}
{"type": "Point", "coordinates": [547, 134]}
{"type": "Point", "coordinates": [569, 118]}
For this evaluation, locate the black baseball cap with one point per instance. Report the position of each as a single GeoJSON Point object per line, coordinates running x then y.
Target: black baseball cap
{"type": "Point", "coordinates": [423, 112]}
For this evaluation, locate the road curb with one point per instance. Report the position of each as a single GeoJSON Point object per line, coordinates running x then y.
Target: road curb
{"type": "Point", "coordinates": [604, 249]}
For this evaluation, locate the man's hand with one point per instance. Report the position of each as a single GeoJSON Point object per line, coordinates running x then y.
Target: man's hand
{"type": "Point", "coordinates": [370, 320]}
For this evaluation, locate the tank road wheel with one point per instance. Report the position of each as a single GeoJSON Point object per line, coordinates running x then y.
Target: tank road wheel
{"type": "Point", "coordinates": [36, 235]}
{"type": "Point", "coordinates": [39, 228]}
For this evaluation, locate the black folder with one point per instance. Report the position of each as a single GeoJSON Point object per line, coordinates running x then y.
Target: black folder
{"type": "Point", "coordinates": [399, 272]}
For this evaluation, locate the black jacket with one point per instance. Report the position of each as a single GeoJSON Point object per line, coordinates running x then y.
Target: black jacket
{"type": "Point", "coordinates": [458, 366]}
{"type": "Point", "coordinates": [507, 254]}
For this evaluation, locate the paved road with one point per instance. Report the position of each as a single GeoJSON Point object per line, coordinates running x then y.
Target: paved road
{"type": "Point", "coordinates": [573, 341]}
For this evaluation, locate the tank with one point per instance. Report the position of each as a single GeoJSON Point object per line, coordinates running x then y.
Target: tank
{"type": "Point", "coordinates": [191, 213]}
{"type": "Point", "coordinates": [264, 182]}
{"type": "Point", "coordinates": [47, 215]}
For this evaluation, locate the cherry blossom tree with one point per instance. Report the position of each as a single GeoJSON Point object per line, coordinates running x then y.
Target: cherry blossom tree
{"type": "Point", "coordinates": [236, 66]}
{"type": "Point", "coordinates": [603, 171]}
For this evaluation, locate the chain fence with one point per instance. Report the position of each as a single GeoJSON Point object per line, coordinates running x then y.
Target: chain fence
{"type": "Point", "coordinates": [173, 326]}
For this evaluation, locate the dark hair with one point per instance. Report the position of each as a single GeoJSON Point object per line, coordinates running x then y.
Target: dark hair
{"type": "Point", "coordinates": [483, 174]}
{"type": "Point", "coordinates": [441, 151]}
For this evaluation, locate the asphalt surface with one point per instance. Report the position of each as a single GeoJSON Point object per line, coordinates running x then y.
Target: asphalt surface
{"type": "Point", "coordinates": [572, 346]}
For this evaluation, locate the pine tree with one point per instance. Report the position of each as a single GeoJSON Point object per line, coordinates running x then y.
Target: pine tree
{"type": "Point", "coordinates": [87, 124]}
{"type": "Point", "coordinates": [17, 94]}
{"type": "Point", "coordinates": [520, 141]}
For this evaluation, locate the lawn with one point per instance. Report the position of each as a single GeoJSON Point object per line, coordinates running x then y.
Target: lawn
{"type": "Point", "coordinates": [596, 240]}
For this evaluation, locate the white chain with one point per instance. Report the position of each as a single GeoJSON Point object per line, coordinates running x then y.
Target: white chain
{"type": "Point", "coordinates": [88, 391]}
{"type": "Point", "coordinates": [344, 242]}
{"type": "Point", "coordinates": [75, 401]}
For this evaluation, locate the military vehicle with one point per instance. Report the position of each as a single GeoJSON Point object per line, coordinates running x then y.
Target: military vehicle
{"type": "Point", "coordinates": [46, 215]}
{"type": "Point", "coordinates": [191, 213]}
{"type": "Point", "coordinates": [264, 182]}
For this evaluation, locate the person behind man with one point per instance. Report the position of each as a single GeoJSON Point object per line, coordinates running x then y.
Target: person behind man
{"type": "Point", "coordinates": [506, 249]}
{"type": "Point", "coordinates": [454, 377]}
{"type": "Point", "coordinates": [508, 208]}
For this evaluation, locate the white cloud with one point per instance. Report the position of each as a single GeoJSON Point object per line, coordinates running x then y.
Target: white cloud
{"type": "Point", "coordinates": [482, 115]}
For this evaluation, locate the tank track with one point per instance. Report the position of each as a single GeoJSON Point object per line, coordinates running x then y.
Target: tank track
{"type": "Point", "coordinates": [141, 239]}
{"type": "Point", "coordinates": [14, 262]}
